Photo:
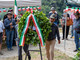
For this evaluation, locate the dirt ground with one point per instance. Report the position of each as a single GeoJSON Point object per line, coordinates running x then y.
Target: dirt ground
{"type": "Point", "coordinates": [36, 56]}
{"type": "Point", "coordinates": [58, 55]}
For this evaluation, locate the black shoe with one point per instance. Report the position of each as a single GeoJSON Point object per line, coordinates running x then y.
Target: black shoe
{"type": "Point", "coordinates": [1, 53]}
{"type": "Point", "coordinates": [14, 45]}
{"type": "Point", "coordinates": [75, 50]}
{"type": "Point", "coordinates": [11, 49]}
{"type": "Point", "coordinates": [62, 39]}
{"type": "Point", "coordinates": [8, 49]}
{"type": "Point", "coordinates": [66, 38]}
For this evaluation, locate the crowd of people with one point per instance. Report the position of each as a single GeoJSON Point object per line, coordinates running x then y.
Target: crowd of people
{"type": "Point", "coordinates": [9, 28]}
{"type": "Point", "coordinates": [72, 20]}
{"type": "Point", "coordinates": [68, 20]}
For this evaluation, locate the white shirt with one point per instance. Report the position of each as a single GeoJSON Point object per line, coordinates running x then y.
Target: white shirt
{"type": "Point", "coordinates": [1, 26]}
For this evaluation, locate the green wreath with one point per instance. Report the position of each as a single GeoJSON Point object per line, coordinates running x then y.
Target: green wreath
{"type": "Point", "coordinates": [32, 36]}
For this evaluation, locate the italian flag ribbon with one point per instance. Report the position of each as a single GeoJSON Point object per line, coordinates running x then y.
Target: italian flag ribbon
{"type": "Point", "coordinates": [38, 30]}
{"type": "Point", "coordinates": [15, 9]}
{"type": "Point", "coordinates": [79, 10]}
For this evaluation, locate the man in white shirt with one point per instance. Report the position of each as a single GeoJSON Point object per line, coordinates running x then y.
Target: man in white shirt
{"type": "Point", "coordinates": [2, 33]}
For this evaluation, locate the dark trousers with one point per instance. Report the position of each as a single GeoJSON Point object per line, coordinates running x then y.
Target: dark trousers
{"type": "Point", "coordinates": [20, 53]}
{"type": "Point", "coordinates": [67, 31]}
{"type": "Point", "coordinates": [77, 40]}
{"type": "Point", "coordinates": [15, 36]}
{"type": "Point", "coordinates": [25, 48]}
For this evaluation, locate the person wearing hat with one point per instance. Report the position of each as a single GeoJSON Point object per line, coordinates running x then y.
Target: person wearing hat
{"type": "Point", "coordinates": [9, 24]}
{"type": "Point", "coordinates": [76, 28]}
{"type": "Point", "coordinates": [5, 16]}
{"type": "Point", "coordinates": [53, 11]}
{"type": "Point", "coordinates": [50, 42]}
{"type": "Point", "coordinates": [2, 33]}
{"type": "Point", "coordinates": [11, 10]}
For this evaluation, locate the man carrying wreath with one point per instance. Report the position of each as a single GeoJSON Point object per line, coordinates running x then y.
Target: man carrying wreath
{"type": "Point", "coordinates": [50, 43]}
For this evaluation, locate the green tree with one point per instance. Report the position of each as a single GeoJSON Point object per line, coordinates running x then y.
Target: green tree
{"type": "Point", "coordinates": [58, 4]}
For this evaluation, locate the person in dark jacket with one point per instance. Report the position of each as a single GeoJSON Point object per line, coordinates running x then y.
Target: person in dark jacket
{"type": "Point", "coordinates": [50, 43]}
{"type": "Point", "coordinates": [9, 24]}
{"type": "Point", "coordinates": [56, 16]}
{"type": "Point", "coordinates": [76, 28]}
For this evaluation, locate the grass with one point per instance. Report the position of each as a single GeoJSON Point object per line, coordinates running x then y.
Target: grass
{"type": "Point", "coordinates": [36, 56]}
{"type": "Point", "coordinates": [58, 55]}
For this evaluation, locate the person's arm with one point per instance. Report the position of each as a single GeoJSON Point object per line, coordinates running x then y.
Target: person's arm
{"type": "Point", "coordinates": [6, 24]}
{"type": "Point", "coordinates": [13, 24]}
{"type": "Point", "coordinates": [3, 33]}
{"type": "Point", "coordinates": [58, 35]}
{"type": "Point", "coordinates": [61, 22]}
{"type": "Point", "coordinates": [50, 13]}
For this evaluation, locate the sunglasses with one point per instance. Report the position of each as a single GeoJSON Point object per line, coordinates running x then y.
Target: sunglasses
{"type": "Point", "coordinates": [52, 19]}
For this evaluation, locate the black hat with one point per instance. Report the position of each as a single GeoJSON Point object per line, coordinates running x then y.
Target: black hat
{"type": "Point", "coordinates": [11, 10]}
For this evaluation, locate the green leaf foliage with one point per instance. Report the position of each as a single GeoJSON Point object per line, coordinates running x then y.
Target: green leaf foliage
{"type": "Point", "coordinates": [77, 56]}
{"type": "Point", "coordinates": [31, 36]}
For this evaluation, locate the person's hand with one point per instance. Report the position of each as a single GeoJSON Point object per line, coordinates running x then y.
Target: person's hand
{"type": "Point", "coordinates": [59, 41]}
{"type": "Point", "coordinates": [10, 24]}
{"type": "Point", "coordinates": [3, 36]}
{"type": "Point", "coordinates": [16, 22]}
{"type": "Point", "coordinates": [16, 42]}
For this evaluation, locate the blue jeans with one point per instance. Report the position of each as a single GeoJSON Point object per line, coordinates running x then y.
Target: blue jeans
{"type": "Point", "coordinates": [72, 31]}
{"type": "Point", "coordinates": [77, 39]}
{"type": "Point", "coordinates": [9, 40]}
